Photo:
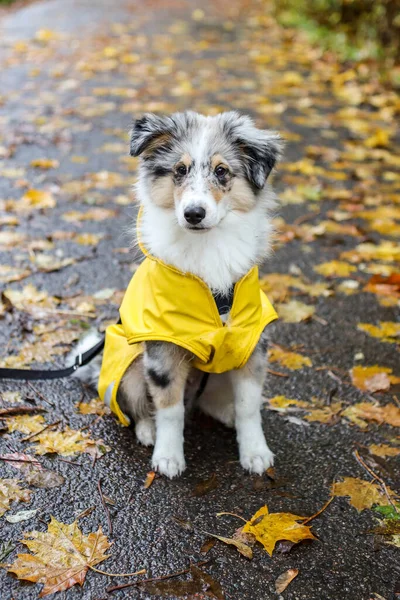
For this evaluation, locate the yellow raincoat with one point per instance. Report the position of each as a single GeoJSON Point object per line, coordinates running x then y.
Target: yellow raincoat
{"type": "Point", "coordinates": [165, 304]}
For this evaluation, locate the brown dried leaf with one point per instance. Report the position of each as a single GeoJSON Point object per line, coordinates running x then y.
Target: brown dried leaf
{"type": "Point", "coordinates": [285, 579]}
{"type": "Point", "coordinates": [239, 545]}
{"type": "Point", "coordinates": [60, 557]}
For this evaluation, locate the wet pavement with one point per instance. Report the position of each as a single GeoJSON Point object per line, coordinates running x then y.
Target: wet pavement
{"type": "Point", "coordinates": [69, 95]}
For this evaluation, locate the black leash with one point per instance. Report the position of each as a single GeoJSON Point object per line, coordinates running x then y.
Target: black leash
{"type": "Point", "coordinates": [224, 304]}
{"type": "Point", "coordinates": [80, 361]}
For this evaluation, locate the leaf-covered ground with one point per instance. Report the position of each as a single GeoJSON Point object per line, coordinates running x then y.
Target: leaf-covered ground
{"type": "Point", "coordinates": [73, 75]}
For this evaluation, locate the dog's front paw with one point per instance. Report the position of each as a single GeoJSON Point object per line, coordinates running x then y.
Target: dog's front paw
{"type": "Point", "coordinates": [257, 461]}
{"type": "Point", "coordinates": [171, 466]}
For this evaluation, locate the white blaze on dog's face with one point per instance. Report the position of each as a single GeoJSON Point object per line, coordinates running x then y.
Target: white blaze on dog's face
{"type": "Point", "coordinates": [203, 167]}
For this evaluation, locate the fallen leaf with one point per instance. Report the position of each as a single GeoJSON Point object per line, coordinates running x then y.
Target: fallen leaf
{"type": "Point", "coordinates": [290, 360]}
{"type": "Point", "coordinates": [295, 311]}
{"type": "Point", "coordinates": [96, 406]}
{"type": "Point", "coordinates": [363, 412]}
{"type": "Point", "coordinates": [239, 545]}
{"type": "Point", "coordinates": [206, 486]}
{"type": "Point", "coordinates": [281, 403]}
{"type": "Point", "coordinates": [383, 450]}
{"type": "Point", "coordinates": [373, 379]}
{"type": "Point", "coordinates": [60, 557]}
{"type": "Point", "coordinates": [285, 579]}
{"type": "Point", "coordinates": [42, 478]}
{"type": "Point", "coordinates": [335, 268]}
{"type": "Point", "coordinates": [68, 443]}
{"type": "Point", "coordinates": [269, 528]}
{"type": "Point", "coordinates": [45, 163]}
{"type": "Point", "coordinates": [207, 545]}
{"type": "Point", "coordinates": [25, 423]}
{"type": "Point", "coordinates": [37, 199]}
{"type": "Point", "coordinates": [11, 397]}
{"type": "Point", "coordinates": [10, 491]}
{"type": "Point", "coordinates": [20, 460]}
{"type": "Point", "coordinates": [387, 331]}
{"type": "Point", "coordinates": [22, 515]}
{"type": "Point", "coordinates": [326, 414]}
{"type": "Point", "coordinates": [149, 479]}
{"type": "Point", "coordinates": [362, 494]}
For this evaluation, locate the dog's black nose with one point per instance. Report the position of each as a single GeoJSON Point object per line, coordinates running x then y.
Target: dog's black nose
{"type": "Point", "coordinates": [194, 214]}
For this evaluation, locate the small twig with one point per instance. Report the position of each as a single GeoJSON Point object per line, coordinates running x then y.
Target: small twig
{"type": "Point", "coordinates": [277, 373]}
{"type": "Point", "coordinates": [150, 580]}
{"type": "Point", "coordinates": [105, 507]}
{"type": "Point", "coordinates": [18, 410]}
{"type": "Point", "coordinates": [304, 218]}
{"type": "Point", "coordinates": [375, 476]}
{"type": "Point", "coordinates": [395, 398]}
{"type": "Point", "coordinates": [33, 435]}
{"type": "Point", "coordinates": [141, 572]}
{"type": "Point", "coordinates": [319, 512]}
{"type": "Point", "coordinates": [39, 394]}
{"type": "Point", "coordinates": [70, 462]}
{"type": "Point", "coordinates": [22, 460]}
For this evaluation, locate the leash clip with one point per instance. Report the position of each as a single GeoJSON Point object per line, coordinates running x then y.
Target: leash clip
{"type": "Point", "coordinates": [78, 362]}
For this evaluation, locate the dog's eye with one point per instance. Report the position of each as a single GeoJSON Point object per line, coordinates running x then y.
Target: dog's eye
{"type": "Point", "coordinates": [221, 171]}
{"type": "Point", "coordinates": [181, 170]}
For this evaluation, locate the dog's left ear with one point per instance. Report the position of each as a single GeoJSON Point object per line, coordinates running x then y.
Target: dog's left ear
{"type": "Point", "coordinates": [260, 149]}
{"type": "Point", "coordinates": [150, 132]}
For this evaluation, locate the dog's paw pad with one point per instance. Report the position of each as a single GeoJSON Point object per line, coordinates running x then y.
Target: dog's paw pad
{"type": "Point", "coordinates": [146, 432]}
{"type": "Point", "coordinates": [171, 467]}
{"type": "Point", "coordinates": [257, 463]}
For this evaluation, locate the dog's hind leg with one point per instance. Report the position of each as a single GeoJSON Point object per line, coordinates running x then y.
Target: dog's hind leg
{"type": "Point", "coordinates": [166, 370]}
{"type": "Point", "coordinates": [133, 401]}
{"type": "Point", "coordinates": [255, 456]}
{"type": "Point", "coordinates": [217, 399]}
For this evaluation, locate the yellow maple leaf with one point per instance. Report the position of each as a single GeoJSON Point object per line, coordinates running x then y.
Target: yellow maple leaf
{"type": "Point", "coordinates": [96, 406]}
{"type": "Point", "coordinates": [290, 360]}
{"type": "Point", "coordinates": [61, 556]}
{"type": "Point", "coordinates": [88, 239]}
{"type": "Point", "coordinates": [295, 311]}
{"type": "Point", "coordinates": [67, 443]}
{"type": "Point", "coordinates": [362, 494]}
{"type": "Point", "coordinates": [386, 250]}
{"type": "Point", "coordinates": [387, 331]}
{"type": "Point", "coordinates": [379, 139]}
{"type": "Point", "coordinates": [25, 423]}
{"type": "Point", "coordinates": [363, 412]}
{"type": "Point", "coordinates": [45, 163]}
{"type": "Point", "coordinates": [269, 528]}
{"type": "Point", "coordinates": [373, 379]}
{"type": "Point", "coordinates": [94, 214]}
{"type": "Point", "coordinates": [10, 491]}
{"type": "Point", "coordinates": [335, 268]}
{"type": "Point", "coordinates": [325, 414]}
{"type": "Point", "coordinates": [37, 199]}
{"type": "Point", "coordinates": [280, 403]}
{"type": "Point", "coordinates": [383, 450]}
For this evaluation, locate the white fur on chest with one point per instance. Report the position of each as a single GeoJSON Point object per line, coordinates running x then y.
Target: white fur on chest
{"type": "Point", "coordinates": [221, 256]}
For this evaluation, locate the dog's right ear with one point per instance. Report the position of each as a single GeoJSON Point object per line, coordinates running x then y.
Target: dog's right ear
{"type": "Point", "coordinates": [149, 133]}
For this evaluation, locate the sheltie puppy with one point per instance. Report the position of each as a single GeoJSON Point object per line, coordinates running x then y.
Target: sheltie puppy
{"type": "Point", "coordinates": [206, 211]}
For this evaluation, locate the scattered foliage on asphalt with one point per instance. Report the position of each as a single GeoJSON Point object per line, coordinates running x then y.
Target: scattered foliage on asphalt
{"type": "Point", "coordinates": [336, 242]}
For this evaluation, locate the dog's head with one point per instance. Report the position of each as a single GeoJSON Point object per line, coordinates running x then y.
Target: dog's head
{"type": "Point", "coordinates": [203, 167]}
